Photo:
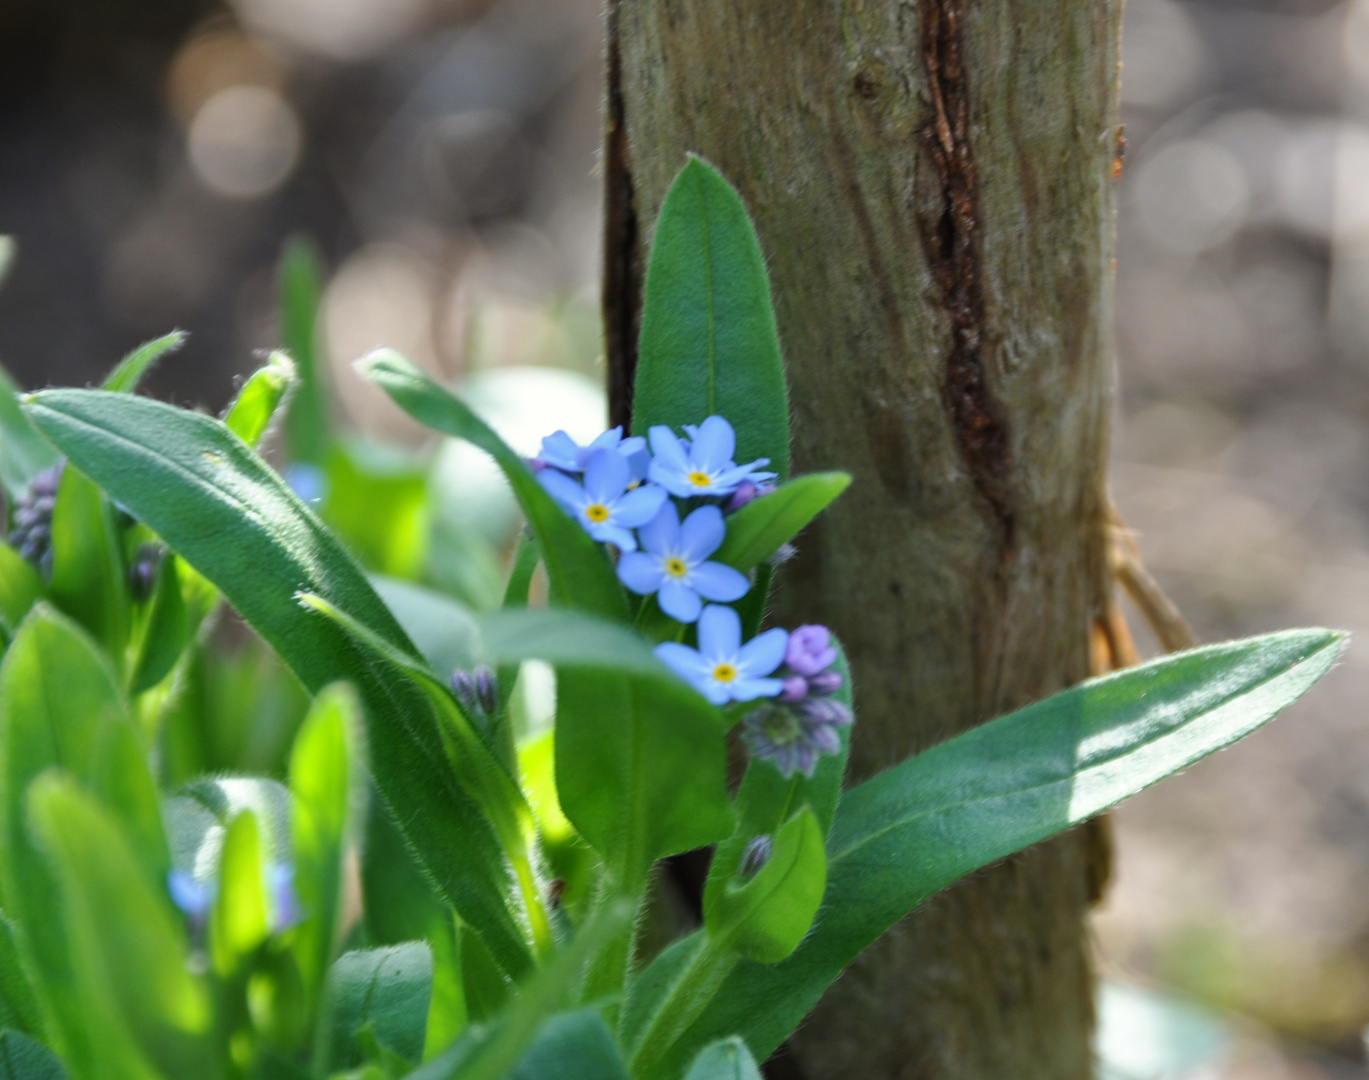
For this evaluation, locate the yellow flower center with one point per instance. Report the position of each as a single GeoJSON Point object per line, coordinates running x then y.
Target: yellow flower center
{"type": "Point", "coordinates": [596, 512]}
{"type": "Point", "coordinates": [700, 479]}
{"type": "Point", "coordinates": [675, 567]}
{"type": "Point", "coordinates": [724, 673]}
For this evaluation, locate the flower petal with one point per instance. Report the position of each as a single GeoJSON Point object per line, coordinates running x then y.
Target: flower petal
{"type": "Point", "coordinates": [665, 444]}
{"type": "Point", "coordinates": [712, 447]}
{"type": "Point", "coordinates": [733, 477]}
{"type": "Point", "coordinates": [714, 581]}
{"type": "Point", "coordinates": [639, 506]}
{"type": "Point", "coordinates": [670, 479]}
{"type": "Point", "coordinates": [701, 534]}
{"type": "Point", "coordinates": [640, 573]}
{"type": "Point", "coordinates": [658, 535]}
{"type": "Point", "coordinates": [606, 475]}
{"type": "Point", "coordinates": [560, 449]}
{"type": "Point", "coordinates": [563, 489]}
{"type": "Point", "coordinates": [632, 445]}
{"type": "Point", "coordinates": [762, 654]}
{"type": "Point", "coordinates": [606, 532]}
{"type": "Point", "coordinates": [751, 689]}
{"type": "Point", "coordinates": [720, 634]}
{"type": "Point", "coordinates": [686, 663]}
{"type": "Point", "coordinates": [678, 600]}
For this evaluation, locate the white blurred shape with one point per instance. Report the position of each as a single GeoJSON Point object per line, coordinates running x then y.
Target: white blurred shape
{"type": "Point", "coordinates": [1144, 1035]}
{"type": "Point", "coordinates": [1350, 248]}
{"type": "Point", "coordinates": [244, 141]}
{"type": "Point", "coordinates": [1192, 194]}
{"type": "Point", "coordinates": [523, 404]}
{"type": "Point", "coordinates": [1355, 42]}
{"type": "Point", "coordinates": [1162, 54]}
{"type": "Point", "coordinates": [381, 296]}
{"type": "Point", "coordinates": [341, 29]}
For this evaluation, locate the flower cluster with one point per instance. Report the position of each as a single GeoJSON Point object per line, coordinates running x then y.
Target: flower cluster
{"type": "Point", "coordinates": [32, 532]}
{"type": "Point", "coordinates": [661, 501]}
{"type": "Point", "coordinates": [620, 489]}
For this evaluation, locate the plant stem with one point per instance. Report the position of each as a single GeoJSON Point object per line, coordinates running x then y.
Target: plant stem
{"type": "Point", "coordinates": [692, 991]}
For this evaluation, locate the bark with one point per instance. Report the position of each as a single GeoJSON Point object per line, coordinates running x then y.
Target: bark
{"type": "Point", "coordinates": [932, 184]}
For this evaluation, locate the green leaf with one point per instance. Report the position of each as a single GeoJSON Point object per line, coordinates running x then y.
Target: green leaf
{"type": "Point", "coordinates": [23, 452]}
{"type": "Point", "coordinates": [764, 525]}
{"type": "Point", "coordinates": [232, 518]}
{"type": "Point", "coordinates": [377, 503]}
{"type": "Point", "coordinates": [492, 1051]}
{"type": "Point", "coordinates": [444, 630]}
{"type": "Point", "coordinates": [22, 1058]}
{"type": "Point", "coordinates": [765, 916]}
{"type": "Point", "coordinates": [579, 571]}
{"type": "Point", "coordinates": [239, 921]}
{"type": "Point", "coordinates": [321, 780]}
{"type": "Point", "coordinates": [89, 579]}
{"type": "Point", "coordinates": [387, 989]}
{"type": "Point", "coordinates": [571, 1046]}
{"type": "Point", "coordinates": [139, 998]}
{"type": "Point", "coordinates": [728, 1059]}
{"type": "Point", "coordinates": [398, 900]}
{"type": "Point", "coordinates": [709, 344]}
{"type": "Point", "coordinates": [516, 593]}
{"type": "Point", "coordinates": [261, 397]}
{"type": "Point", "coordinates": [129, 372]}
{"type": "Point", "coordinates": [161, 629]}
{"type": "Point", "coordinates": [567, 638]}
{"type": "Point", "coordinates": [20, 586]}
{"type": "Point", "coordinates": [641, 767]}
{"type": "Point", "coordinates": [907, 833]}
{"type": "Point", "coordinates": [18, 1003]}
{"type": "Point", "coordinates": [301, 276]}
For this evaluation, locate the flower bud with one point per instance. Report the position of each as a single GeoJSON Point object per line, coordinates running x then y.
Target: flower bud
{"type": "Point", "coordinates": [142, 574]}
{"type": "Point", "coordinates": [824, 683]}
{"type": "Point", "coordinates": [794, 688]}
{"type": "Point", "coordinates": [809, 650]}
{"type": "Point", "coordinates": [478, 692]}
{"type": "Point", "coordinates": [755, 855]}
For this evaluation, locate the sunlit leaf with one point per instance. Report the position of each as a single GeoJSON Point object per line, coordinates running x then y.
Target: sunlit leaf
{"type": "Point", "coordinates": [129, 372]}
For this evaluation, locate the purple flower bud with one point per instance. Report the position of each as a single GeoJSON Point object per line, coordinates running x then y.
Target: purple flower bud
{"type": "Point", "coordinates": [825, 711]}
{"type": "Point", "coordinates": [809, 650]}
{"type": "Point", "coordinates": [142, 574]}
{"type": "Point", "coordinates": [825, 682]}
{"type": "Point", "coordinates": [478, 692]}
{"type": "Point", "coordinates": [795, 688]}
{"type": "Point", "coordinates": [756, 854]}
{"type": "Point", "coordinates": [747, 491]}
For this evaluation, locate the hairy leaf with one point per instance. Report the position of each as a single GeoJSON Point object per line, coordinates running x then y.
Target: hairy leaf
{"type": "Point", "coordinates": [709, 344]}
{"type": "Point", "coordinates": [129, 372]}
{"type": "Point", "coordinates": [764, 525]}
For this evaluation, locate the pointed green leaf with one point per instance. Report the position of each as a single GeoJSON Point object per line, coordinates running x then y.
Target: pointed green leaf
{"type": "Point", "coordinates": [240, 920]}
{"type": "Point", "coordinates": [580, 573]}
{"type": "Point", "coordinates": [232, 518]}
{"type": "Point", "coordinates": [322, 778]}
{"type": "Point", "coordinates": [89, 579]}
{"type": "Point", "coordinates": [23, 452]}
{"type": "Point", "coordinates": [20, 586]}
{"type": "Point", "coordinates": [376, 500]}
{"type": "Point", "coordinates": [387, 989]}
{"type": "Point", "coordinates": [261, 398]}
{"type": "Point", "coordinates": [23, 1058]}
{"type": "Point", "coordinates": [18, 1003]}
{"type": "Point", "coordinates": [301, 276]}
{"type": "Point", "coordinates": [912, 830]}
{"type": "Point", "coordinates": [128, 950]}
{"type": "Point", "coordinates": [729, 1059]}
{"type": "Point", "coordinates": [161, 629]}
{"type": "Point", "coordinates": [129, 372]}
{"type": "Point", "coordinates": [709, 344]}
{"type": "Point", "coordinates": [764, 525]}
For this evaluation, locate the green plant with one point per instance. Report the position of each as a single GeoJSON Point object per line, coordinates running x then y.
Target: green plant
{"type": "Point", "coordinates": [163, 925]}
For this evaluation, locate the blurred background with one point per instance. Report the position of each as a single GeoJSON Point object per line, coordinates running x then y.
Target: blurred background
{"type": "Point", "coordinates": [441, 154]}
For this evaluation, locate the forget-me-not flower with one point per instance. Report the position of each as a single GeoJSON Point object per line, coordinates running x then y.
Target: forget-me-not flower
{"type": "Point", "coordinates": [794, 737]}
{"type": "Point", "coordinates": [675, 566]}
{"type": "Point", "coordinates": [193, 897]}
{"type": "Point", "coordinates": [722, 668]}
{"type": "Point", "coordinates": [560, 451]}
{"type": "Point", "coordinates": [603, 503]}
{"type": "Point", "coordinates": [701, 464]}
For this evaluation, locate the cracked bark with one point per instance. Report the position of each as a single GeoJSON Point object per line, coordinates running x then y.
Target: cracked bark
{"type": "Point", "coordinates": [932, 184]}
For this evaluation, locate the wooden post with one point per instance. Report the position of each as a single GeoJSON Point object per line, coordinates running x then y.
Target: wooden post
{"type": "Point", "coordinates": [932, 181]}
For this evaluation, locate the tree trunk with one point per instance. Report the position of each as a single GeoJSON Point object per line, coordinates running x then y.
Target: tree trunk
{"type": "Point", "coordinates": [932, 181]}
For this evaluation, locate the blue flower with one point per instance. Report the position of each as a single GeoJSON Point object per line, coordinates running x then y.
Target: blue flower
{"type": "Point", "coordinates": [603, 503]}
{"type": "Point", "coordinates": [722, 668]}
{"type": "Point", "coordinates": [193, 897]}
{"type": "Point", "coordinates": [285, 906]}
{"type": "Point", "coordinates": [560, 451]}
{"type": "Point", "coordinates": [792, 737]}
{"type": "Point", "coordinates": [674, 564]}
{"type": "Point", "coordinates": [702, 464]}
